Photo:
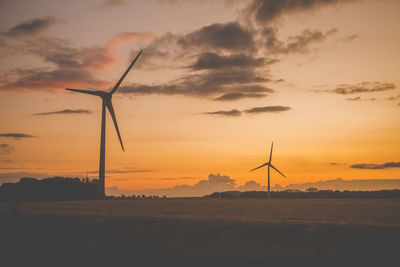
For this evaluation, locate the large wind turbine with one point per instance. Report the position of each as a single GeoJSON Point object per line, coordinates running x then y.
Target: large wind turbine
{"type": "Point", "coordinates": [106, 97]}
{"type": "Point", "coordinates": [269, 164]}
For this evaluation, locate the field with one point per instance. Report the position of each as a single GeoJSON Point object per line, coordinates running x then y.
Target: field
{"type": "Point", "coordinates": [205, 232]}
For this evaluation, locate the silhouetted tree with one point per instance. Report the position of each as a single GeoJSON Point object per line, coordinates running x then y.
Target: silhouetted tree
{"type": "Point", "coordinates": [312, 189]}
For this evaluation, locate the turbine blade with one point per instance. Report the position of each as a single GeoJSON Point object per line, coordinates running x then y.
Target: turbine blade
{"type": "Point", "coordinates": [83, 91]}
{"type": "Point", "coordinates": [126, 72]}
{"type": "Point", "coordinates": [277, 170]}
{"type": "Point", "coordinates": [111, 110]}
{"type": "Point", "coordinates": [259, 167]}
{"type": "Point", "coordinates": [270, 155]}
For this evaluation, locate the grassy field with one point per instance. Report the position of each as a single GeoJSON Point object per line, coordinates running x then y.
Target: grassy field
{"type": "Point", "coordinates": [205, 232]}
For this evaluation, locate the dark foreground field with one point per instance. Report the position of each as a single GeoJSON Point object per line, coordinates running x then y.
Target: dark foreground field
{"type": "Point", "coordinates": [203, 232]}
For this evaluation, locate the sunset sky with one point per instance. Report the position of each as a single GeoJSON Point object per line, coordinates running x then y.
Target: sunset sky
{"type": "Point", "coordinates": [217, 82]}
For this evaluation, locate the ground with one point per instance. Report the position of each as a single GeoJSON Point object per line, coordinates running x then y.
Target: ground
{"type": "Point", "coordinates": [205, 232]}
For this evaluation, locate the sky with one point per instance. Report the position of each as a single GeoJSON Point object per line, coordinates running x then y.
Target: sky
{"type": "Point", "coordinates": [216, 84]}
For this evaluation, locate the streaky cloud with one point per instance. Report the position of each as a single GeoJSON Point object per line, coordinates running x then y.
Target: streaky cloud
{"type": "Point", "coordinates": [210, 60]}
{"type": "Point", "coordinates": [222, 113]}
{"type": "Point", "coordinates": [265, 11]}
{"type": "Point", "coordinates": [16, 135]}
{"type": "Point", "coordinates": [239, 95]}
{"type": "Point", "coordinates": [267, 109]}
{"type": "Point", "coordinates": [31, 27]}
{"type": "Point", "coordinates": [364, 87]}
{"type": "Point", "coordinates": [374, 166]}
{"type": "Point", "coordinates": [66, 111]}
{"type": "Point", "coordinates": [358, 98]}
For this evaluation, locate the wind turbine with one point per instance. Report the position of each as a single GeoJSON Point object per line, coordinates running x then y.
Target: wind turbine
{"type": "Point", "coordinates": [106, 99]}
{"type": "Point", "coordinates": [269, 164]}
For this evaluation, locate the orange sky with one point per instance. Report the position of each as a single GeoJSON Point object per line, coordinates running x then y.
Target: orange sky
{"type": "Point", "coordinates": [187, 108]}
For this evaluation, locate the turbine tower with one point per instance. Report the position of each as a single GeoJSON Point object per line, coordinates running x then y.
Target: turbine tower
{"type": "Point", "coordinates": [269, 164]}
{"type": "Point", "coordinates": [106, 103]}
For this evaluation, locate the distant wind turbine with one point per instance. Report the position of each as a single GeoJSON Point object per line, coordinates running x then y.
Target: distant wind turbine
{"type": "Point", "coordinates": [269, 164]}
{"type": "Point", "coordinates": [106, 97]}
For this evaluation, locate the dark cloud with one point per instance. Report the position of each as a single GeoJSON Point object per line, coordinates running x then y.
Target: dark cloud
{"type": "Point", "coordinates": [374, 166]}
{"type": "Point", "coordinates": [16, 135]}
{"type": "Point", "coordinates": [300, 43]}
{"type": "Point", "coordinates": [294, 44]}
{"type": "Point", "coordinates": [6, 149]}
{"type": "Point", "coordinates": [31, 27]}
{"type": "Point", "coordinates": [229, 36]}
{"type": "Point", "coordinates": [221, 113]}
{"type": "Point", "coordinates": [66, 111]}
{"type": "Point", "coordinates": [364, 87]}
{"type": "Point", "coordinates": [206, 84]}
{"type": "Point", "coordinates": [238, 95]}
{"type": "Point", "coordinates": [358, 98]}
{"type": "Point", "coordinates": [211, 43]}
{"type": "Point", "coordinates": [264, 11]}
{"type": "Point", "coordinates": [214, 61]}
{"type": "Point", "coordinates": [348, 39]}
{"type": "Point", "coordinates": [267, 109]}
{"type": "Point", "coordinates": [256, 110]}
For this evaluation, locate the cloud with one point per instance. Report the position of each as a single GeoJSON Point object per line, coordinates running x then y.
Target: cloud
{"type": "Point", "coordinates": [66, 111]}
{"type": "Point", "coordinates": [16, 135]}
{"type": "Point", "coordinates": [38, 79]}
{"type": "Point", "coordinates": [267, 109]}
{"type": "Point", "coordinates": [229, 36]}
{"type": "Point", "coordinates": [209, 60]}
{"type": "Point", "coordinates": [6, 149]}
{"type": "Point", "coordinates": [364, 87]}
{"type": "Point", "coordinates": [394, 97]}
{"type": "Point", "coordinates": [294, 44]}
{"type": "Point", "coordinates": [348, 39]}
{"type": "Point", "coordinates": [360, 99]}
{"type": "Point", "coordinates": [373, 166]}
{"type": "Point", "coordinates": [251, 186]}
{"type": "Point", "coordinates": [32, 27]}
{"type": "Point", "coordinates": [214, 182]}
{"type": "Point", "coordinates": [230, 113]}
{"type": "Point", "coordinates": [206, 84]}
{"type": "Point", "coordinates": [256, 110]}
{"type": "Point", "coordinates": [238, 95]}
{"type": "Point", "coordinates": [265, 11]}
{"type": "Point", "coordinates": [72, 67]}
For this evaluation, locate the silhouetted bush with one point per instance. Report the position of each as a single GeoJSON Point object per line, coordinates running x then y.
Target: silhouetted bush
{"type": "Point", "coordinates": [56, 188]}
{"type": "Point", "coordinates": [290, 193]}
